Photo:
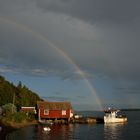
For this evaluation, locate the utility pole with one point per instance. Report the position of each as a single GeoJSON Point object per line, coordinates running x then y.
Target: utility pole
{"type": "Point", "coordinates": [13, 103]}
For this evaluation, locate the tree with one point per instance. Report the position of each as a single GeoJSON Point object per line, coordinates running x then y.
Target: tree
{"type": "Point", "coordinates": [1, 110]}
{"type": "Point", "coordinates": [20, 95]}
{"type": "Point", "coordinates": [19, 85]}
{"type": "Point", "coordinates": [9, 109]}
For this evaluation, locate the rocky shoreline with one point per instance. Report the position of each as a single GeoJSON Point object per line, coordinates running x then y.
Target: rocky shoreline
{"type": "Point", "coordinates": [8, 128]}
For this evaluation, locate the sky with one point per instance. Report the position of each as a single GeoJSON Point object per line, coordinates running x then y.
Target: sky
{"type": "Point", "coordinates": [82, 51]}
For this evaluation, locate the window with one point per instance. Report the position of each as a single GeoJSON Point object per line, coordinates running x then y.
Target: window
{"type": "Point", "coordinates": [63, 112]}
{"type": "Point", "coordinates": [46, 112]}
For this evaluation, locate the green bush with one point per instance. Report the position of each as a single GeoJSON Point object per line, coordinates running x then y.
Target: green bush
{"type": "Point", "coordinates": [18, 117]}
{"type": "Point", "coordinates": [9, 109]}
{"type": "Point", "coordinates": [31, 116]}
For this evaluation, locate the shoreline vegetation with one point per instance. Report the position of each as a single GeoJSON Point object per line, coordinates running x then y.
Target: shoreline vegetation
{"type": "Point", "coordinates": [17, 125]}
{"type": "Point", "coordinates": [9, 126]}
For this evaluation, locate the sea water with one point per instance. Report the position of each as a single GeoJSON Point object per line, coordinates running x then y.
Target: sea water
{"type": "Point", "coordinates": [116, 131]}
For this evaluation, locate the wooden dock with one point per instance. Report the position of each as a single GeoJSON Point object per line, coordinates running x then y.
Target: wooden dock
{"type": "Point", "coordinates": [81, 120]}
{"type": "Point", "coordinates": [87, 120]}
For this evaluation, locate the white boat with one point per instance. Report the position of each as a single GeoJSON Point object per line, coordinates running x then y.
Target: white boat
{"type": "Point", "coordinates": [113, 116]}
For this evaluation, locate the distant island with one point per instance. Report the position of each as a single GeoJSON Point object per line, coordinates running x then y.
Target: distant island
{"type": "Point", "coordinates": [131, 109]}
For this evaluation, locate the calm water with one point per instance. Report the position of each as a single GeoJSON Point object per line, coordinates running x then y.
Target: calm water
{"type": "Point", "coordinates": [129, 131]}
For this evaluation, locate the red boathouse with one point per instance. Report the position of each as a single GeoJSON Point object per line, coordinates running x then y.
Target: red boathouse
{"type": "Point", "coordinates": [54, 110]}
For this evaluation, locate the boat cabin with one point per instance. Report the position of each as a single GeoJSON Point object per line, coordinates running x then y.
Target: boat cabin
{"type": "Point", "coordinates": [111, 113]}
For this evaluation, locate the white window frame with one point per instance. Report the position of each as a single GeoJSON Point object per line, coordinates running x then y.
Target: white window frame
{"type": "Point", "coordinates": [64, 112]}
{"type": "Point", "coordinates": [46, 112]}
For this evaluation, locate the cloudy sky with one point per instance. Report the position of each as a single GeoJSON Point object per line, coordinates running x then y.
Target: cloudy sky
{"type": "Point", "coordinates": [82, 51]}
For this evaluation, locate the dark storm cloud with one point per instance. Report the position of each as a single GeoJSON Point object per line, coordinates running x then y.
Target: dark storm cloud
{"type": "Point", "coordinates": [15, 6]}
{"type": "Point", "coordinates": [130, 88]}
{"type": "Point", "coordinates": [116, 52]}
{"type": "Point", "coordinates": [94, 10]}
{"type": "Point", "coordinates": [101, 36]}
{"type": "Point", "coordinates": [89, 10]}
{"type": "Point", "coordinates": [21, 51]}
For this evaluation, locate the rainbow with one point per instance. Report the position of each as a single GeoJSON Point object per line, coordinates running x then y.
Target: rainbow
{"type": "Point", "coordinates": [61, 52]}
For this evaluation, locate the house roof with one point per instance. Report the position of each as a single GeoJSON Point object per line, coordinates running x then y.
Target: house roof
{"type": "Point", "coordinates": [54, 105]}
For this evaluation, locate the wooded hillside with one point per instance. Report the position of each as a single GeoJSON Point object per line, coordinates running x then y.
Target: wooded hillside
{"type": "Point", "coordinates": [19, 95]}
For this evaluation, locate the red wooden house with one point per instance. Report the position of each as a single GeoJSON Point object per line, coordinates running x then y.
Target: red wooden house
{"type": "Point", "coordinates": [54, 110]}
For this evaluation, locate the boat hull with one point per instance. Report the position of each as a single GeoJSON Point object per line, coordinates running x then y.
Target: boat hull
{"type": "Point", "coordinates": [115, 120]}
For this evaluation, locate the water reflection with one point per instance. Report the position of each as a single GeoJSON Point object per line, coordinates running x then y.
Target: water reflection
{"type": "Point", "coordinates": [70, 132]}
{"type": "Point", "coordinates": [63, 132]}
{"type": "Point", "coordinates": [21, 134]}
{"type": "Point", "coordinates": [113, 131]}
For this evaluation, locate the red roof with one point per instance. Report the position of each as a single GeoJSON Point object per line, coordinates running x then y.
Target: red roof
{"type": "Point", "coordinates": [54, 105]}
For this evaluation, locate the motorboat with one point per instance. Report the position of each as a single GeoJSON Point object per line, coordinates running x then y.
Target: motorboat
{"type": "Point", "coordinates": [114, 116]}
